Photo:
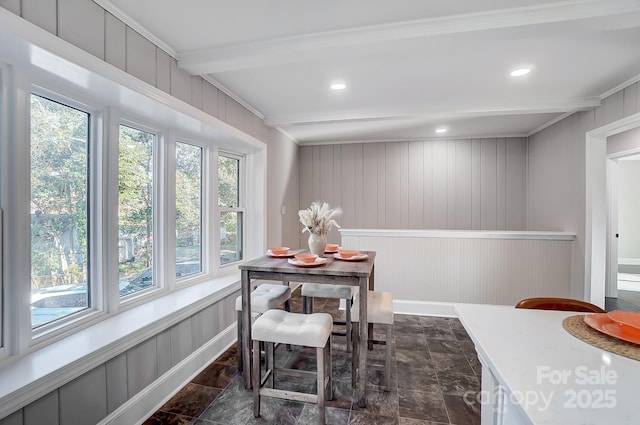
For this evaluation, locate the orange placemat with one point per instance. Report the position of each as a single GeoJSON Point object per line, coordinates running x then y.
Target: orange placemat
{"type": "Point", "coordinates": [575, 326]}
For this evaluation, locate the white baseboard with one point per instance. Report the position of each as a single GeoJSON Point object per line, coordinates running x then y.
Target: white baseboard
{"type": "Point", "coordinates": [629, 261]}
{"type": "Point", "coordinates": [144, 404]}
{"type": "Point", "coordinates": [425, 308]}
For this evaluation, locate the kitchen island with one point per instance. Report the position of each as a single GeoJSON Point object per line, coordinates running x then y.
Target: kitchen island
{"type": "Point", "coordinates": [534, 372]}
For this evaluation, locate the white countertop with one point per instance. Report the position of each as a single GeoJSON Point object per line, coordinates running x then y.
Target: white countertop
{"type": "Point", "coordinates": [533, 356]}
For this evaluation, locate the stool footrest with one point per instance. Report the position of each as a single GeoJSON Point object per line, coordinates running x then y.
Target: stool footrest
{"type": "Point", "coordinates": [289, 395]}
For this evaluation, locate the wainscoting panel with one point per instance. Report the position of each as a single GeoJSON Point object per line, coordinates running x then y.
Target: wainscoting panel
{"type": "Point", "coordinates": [468, 267]}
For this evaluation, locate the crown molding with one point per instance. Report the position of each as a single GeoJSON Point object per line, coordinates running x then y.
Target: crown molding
{"type": "Point", "coordinates": [619, 87]}
{"type": "Point", "coordinates": [416, 139]}
{"type": "Point", "coordinates": [309, 46]}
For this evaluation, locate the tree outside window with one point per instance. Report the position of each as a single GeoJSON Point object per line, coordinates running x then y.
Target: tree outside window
{"type": "Point", "coordinates": [59, 209]}
{"type": "Point", "coordinates": [135, 210]}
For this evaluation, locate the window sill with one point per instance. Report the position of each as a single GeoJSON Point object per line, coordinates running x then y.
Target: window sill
{"type": "Point", "coordinates": [27, 378]}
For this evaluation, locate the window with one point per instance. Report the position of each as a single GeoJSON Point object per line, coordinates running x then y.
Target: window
{"type": "Point", "coordinates": [188, 209]}
{"type": "Point", "coordinates": [135, 210]}
{"type": "Point", "coordinates": [231, 212]}
{"type": "Point", "coordinates": [59, 208]}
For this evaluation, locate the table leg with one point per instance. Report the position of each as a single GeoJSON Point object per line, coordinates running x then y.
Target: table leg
{"type": "Point", "coordinates": [371, 288]}
{"type": "Point", "coordinates": [246, 326]}
{"type": "Point", "coordinates": [361, 392]}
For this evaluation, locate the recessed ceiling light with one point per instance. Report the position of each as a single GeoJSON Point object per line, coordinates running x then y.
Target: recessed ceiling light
{"type": "Point", "coordinates": [441, 130]}
{"type": "Point", "coordinates": [338, 86]}
{"type": "Point", "coordinates": [520, 72]}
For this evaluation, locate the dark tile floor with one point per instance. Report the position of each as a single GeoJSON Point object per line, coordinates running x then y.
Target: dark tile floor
{"type": "Point", "coordinates": [435, 380]}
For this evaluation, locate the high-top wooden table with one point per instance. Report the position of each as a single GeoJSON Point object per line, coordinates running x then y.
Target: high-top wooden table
{"type": "Point", "coordinates": [354, 273]}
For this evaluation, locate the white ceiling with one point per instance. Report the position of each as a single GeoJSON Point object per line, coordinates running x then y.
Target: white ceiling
{"type": "Point", "coordinates": [410, 65]}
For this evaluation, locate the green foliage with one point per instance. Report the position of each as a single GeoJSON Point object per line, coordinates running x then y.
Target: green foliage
{"type": "Point", "coordinates": [59, 197]}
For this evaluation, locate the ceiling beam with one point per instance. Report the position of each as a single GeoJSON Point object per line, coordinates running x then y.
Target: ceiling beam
{"type": "Point", "coordinates": [433, 112]}
{"type": "Point", "coordinates": [324, 44]}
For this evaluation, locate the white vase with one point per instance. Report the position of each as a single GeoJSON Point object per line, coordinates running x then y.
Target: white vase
{"type": "Point", "coordinates": [317, 243]}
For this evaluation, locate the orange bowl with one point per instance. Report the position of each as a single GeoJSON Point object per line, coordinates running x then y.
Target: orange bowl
{"type": "Point", "coordinates": [348, 253]}
{"type": "Point", "coordinates": [331, 247]}
{"type": "Point", "coordinates": [282, 250]}
{"type": "Point", "coordinates": [307, 258]}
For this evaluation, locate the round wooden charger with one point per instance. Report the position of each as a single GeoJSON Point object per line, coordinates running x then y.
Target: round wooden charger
{"type": "Point", "coordinates": [575, 326]}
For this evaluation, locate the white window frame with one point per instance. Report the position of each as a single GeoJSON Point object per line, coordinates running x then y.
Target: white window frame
{"type": "Point", "coordinates": [159, 212]}
{"type": "Point", "coordinates": [240, 208]}
{"type": "Point", "coordinates": [96, 215]}
{"type": "Point", "coordinates": [207, 269]}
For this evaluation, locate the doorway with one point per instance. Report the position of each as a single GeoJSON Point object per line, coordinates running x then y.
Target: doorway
{"type": "Point", "coordinates": [623, 230]}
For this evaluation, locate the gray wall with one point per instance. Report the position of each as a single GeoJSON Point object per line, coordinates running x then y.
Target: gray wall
{"type": "Point", "coordinates": [432, 184]}
{"type": "Point", "coordinates": [85, 24]}
{"type": "Point", "coordinates": [95, 394]}
{"type": "Point", "coordinates": [556, 188]}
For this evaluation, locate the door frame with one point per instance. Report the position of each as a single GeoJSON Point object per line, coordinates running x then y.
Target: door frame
{"type": "Point", "coordinates": [596, 206]}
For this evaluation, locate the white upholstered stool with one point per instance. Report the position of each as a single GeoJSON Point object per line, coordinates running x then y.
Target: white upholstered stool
{"type": "Point", "coordinates": [380, 312]}
{"type": "Point", "coordinates": [344, 292]}
{"type": "Point", "coordinates": [265, 297]}
{"type": "Point", "coordinates": [310, 330]}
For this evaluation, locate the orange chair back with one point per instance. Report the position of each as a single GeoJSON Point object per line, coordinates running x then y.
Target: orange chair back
{"type": "Point", "coordinates": [562, 304]}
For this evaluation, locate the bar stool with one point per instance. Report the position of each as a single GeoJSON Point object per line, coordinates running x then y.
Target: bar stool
{"type": "Point", "coordinates": [379, 311]}
{"type": "Point", "coordinates": [310, 330]}
{"type": "Point", "coordinates": [344, 292]}
{"type": "Point", "coordinates": [265, 297]}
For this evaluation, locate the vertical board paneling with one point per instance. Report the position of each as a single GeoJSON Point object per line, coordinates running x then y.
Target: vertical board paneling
{"type": "Point", "coordinates": [488, 182]}
{"type": "Point", "coordinates": [613, 107]}
{"type": "Point", "coordinates": [437, 184]}
{"type": "Point", "coordinates": [463, 185]}
{"type": "Point", "coordinates": [382, 198]}
{"type": "Point", "coordinates": [630, 105]}
{"type": "Point", "coordinates": [315, 174]}
{"type": "Point", "coordinates": [428, 185]}
{"type": "Point", "coordinates": [326, 175]}
{"type": "Point", "coordinates": [348, 176]}
{"type": "Point", "coordinates": [415, 185]}
{"type": "Point", "coordinates": [476, 184]}
{"type": "Point", "coordinates": [439, 196]}
{"type": "Point", "coordinates": [84, 400]}
{"type": "Point", "coordinates": [116, 369]}
{"type": "Point", "coordinates": [141, 60]}
{"type": "Point", "coordinates": [82, 23]}
{"type": "Point", "coordinates": [44, 411]}
{"type": "Point", "coordinates": [142, 366]}
{"type": "Point", "coordinates": [210, 99]}
{"type": "Point", "coordinates": [115, 43]}
{"type": "Point", "coordinates": [516, 189]}
{"type": "Point", "coordinates": [501, 184]}
{"type": "Point", "coordinates": [163, 70]}
{"type": "Point", "coordinates": [392, 186]}
{"type": "Point", "coordinates": [359, 183]}
{"type": "Point", "coordinates": [15, 418]}
{"type": "Point", "coordinates": [370, 187]}
{"type": "Point", "coordinates": [14, 7]}
{"type": "Point", "coordinates": [451, 185]}
{"type": "Point", "coordinates": [181, 341]}
{"type": "Point", "coordinates": [41, 13]}
{"type": "Point", "coordinates": [404, 185]}
{"type": "Point", "coordinates": [337, 174]}
{"type": "Point", "coordinates": [474, 270]}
